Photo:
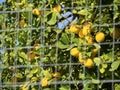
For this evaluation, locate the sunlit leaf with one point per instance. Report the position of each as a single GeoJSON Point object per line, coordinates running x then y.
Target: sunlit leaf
{"type": "Point", "coordinates": [115, 65]}
{"type": "Point", "coordinates": [61, 45]}
{"type": "Point", "coordinates": [95, 81]}
{"type": "Point", "coordinates": [23, 55]}
{"type": "Point", "coordinates": [64, 87]}
{"type": "Point", "coordinates": [47, 74]}
{"type": "Point", "coordinates": [97, 61]}
{"type": "Point", "coordinates": [48, 88]}
{"type": "Point", "coordinates": [19, 75]}
{"type": "Point", "coordinates": [53, 19]}
{"type": "Point", "coordinates": [117, 86]}
{"type": "Point", "coordinates": [104, 65]}
{"type": "Point", "coordinates": [83, 12]}
{"type": "Point", "coordinates": [102, 70]}
{"type": "Point", "coordinates": [116, 15]}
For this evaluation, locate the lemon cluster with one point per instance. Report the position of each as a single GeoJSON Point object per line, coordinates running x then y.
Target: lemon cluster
{"type": "Point", "coordinates": [85, 33]}
{"type": "Point", "coordinates": [87, 62]}
{"type": "Point", "coordinates": [45, 80]}
{"type": "Point", "coordinates": [86, 37]}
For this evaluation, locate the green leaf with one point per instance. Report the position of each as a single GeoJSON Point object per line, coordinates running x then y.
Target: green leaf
{"type": "Point", "coordinates": [97, 46]}
{"type": "Point", "coordinates": [18, 75]}
{"type": "Point", "coordinates": [64, 88]}
{"type": "Point", "coordinates": [104, 65]}
{"type": "Point", "coordinates": [1, 19]}
{"type": "Point", "coordinates": [46, 13]}
{"type": "Point", "coordinates": [95, 81]}
{"type": "Point", "coordinates": [116, 1]}
{"type": "Point", "coordinates": [30, 75]}
{"type": "Point", "coordinates": [117, 86]}
{"type": "Point", "coordinates": [115, 65]}
{"type": "Point", "coordinates": [58, 15]}
{"type": "Point", "coordinates": [35, 70]}
{"type": "Point", "coordinates": [53, 19]}
{"type": "Point", "coordinates": [65, 39]}
{"type": "Point", "coordinates": [61, 45]}
{"type": "Point", "coordinates": [20, 60]}
{"type": "Point", "coordinates": [116, 15]}
{"type": "Point", "coordinates": [48, 89]}
{"type": "Point", "coordinates": [102, 70]}
{"type": "Point", "coordinates": [47, 74]}
{"type": "Point", "coordinates": [83, 12]}
{"type": "Point", "coordinates": [97, 61]}
{"type": "Point", "coordinates": [23, 55]}
{"type": "Point", "coordinates": [34, 79]}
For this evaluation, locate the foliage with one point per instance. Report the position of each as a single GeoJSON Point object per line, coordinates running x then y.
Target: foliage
{"type": "Point", "coordinates": [35, 52]}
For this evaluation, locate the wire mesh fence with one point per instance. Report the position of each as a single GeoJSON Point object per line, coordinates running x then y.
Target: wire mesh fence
{"type": "Point", "coordinates": [60, 45]}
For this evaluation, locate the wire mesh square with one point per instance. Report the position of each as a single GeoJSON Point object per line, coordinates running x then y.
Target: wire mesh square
{"type": "Point", "coordinates": [59, 45]}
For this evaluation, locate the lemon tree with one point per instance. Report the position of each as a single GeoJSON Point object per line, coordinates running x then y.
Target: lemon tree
{"type": "Point", "coordinates": [42, 47]}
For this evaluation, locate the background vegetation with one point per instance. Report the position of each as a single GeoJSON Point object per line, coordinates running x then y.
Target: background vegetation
{"type": "Point", "coordinates": [37, 45]}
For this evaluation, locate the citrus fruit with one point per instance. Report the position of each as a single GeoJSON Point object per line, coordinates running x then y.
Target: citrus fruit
{"type": "Point", "coordinates": [22, 22]}
{"type": "Point", "coordinates": [94, 52]}
{"type": "Point", "coordinates": [86, 31]}
{"type": "Point", "coordinates": [56, 74]}
{"type": "Point", "coordinates": [81, 60]}
{"type": "Point", "coordinates": [74, 52]}
{"type": "Point", "coordinates": [87, 28]}
{"type": "Point", "coordinates": [88, 63]}
{"type": "Point", "coordinates": [100, 37]}
{"type": "Point", "coordinates": [31, 56]}
{"type": "Point", "coordinates": [44, 82]}
{"type": "Point", "coordinates": [89, 39]}
{"type": "Point", "coordinates": [36, 46]}
{"type": "Point", "coordinates": [36, 12]}
{"type": "Point", "coordinates": [74, 29]}
{"type": "Point", "coordinates": [56, 8]}
{"type": "Point", "coordinates": [81, 33]}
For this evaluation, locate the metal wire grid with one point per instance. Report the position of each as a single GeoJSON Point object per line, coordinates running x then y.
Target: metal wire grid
{"type": "Point", "coordinates": [70, 64]}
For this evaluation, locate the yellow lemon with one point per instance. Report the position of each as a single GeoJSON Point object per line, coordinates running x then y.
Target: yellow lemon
{"type": "Point", "coordinates": [22, 22]}
{"type": "Point", "coordinates": [88, 24]}
{"type": "Point", "coordinates": [44, 82]}
{"type": "Point", "coordinates": [36, 12]}
{"type": "Point", "coordinates": [56, 8]}
{"type": "Point", "coordinates": [81, 61]}
{"type": "Point", "coordinates": [80, 55]}
{"type": "Point", "coordinates": [81, 33]}
{"type": "Point", "coordinates": [24, 88]}
{"type": "Point", "coordinates": [89, 39]}
{"type": "Point", "coordinates": [87, 28]}
{"type": "Point", "coordinates": [94, 52]}
{"type": "Point", "coordinates": [100, 37]}
{"type": "Point", "coordinates": [86, 31]}
{"type": "Point", "coordinates": [56, 74]}
{"type": "Point", "coordinates": [115, 33]}
{"type": "Point", "coordinates": [74, 29]}
{"type": "Point", "coordinates": [31, 56]}
{"type": "Point", "coordinates": [36, 46]}
{"type": "Point", "coordinates": [88, 63]}
{"type": "Point", "coordinates": [74, 52]}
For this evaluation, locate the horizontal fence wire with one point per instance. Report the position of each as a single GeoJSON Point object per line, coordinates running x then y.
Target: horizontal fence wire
{"type": "Point", "coordinates": [36, 52]}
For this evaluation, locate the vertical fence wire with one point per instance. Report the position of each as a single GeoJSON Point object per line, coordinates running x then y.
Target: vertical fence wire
{"type": "Point", "coordinates": [55, 63]}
